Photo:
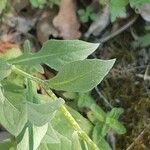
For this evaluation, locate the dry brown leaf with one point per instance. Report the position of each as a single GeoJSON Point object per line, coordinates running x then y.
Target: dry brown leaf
{"type": "Point", "coordinates": [101, 22]}
{"type": "Point", "coordinates": [45, 27]}
{"type": "Point", "coordinates": [5, 46]}
{"type": "Point", "coordinates": [66, 21]}
{"type": "Point", "coordinates": [144, 10]}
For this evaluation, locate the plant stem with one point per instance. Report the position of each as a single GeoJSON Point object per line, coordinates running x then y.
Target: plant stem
{"type": "Point", "coordinates": [23, 73]}
{"type": "Point", "coordinates": [73, 123]}
{"type": "Point", "coordinates": [63, 109]}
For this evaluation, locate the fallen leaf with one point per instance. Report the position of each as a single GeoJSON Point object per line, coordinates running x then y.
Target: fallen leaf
{"type": "Point", "coordinates": [101, 22]}
{"type": "Point", "coordinates": [66, 21]}
{"type": "Point", "coordinates": [9, 50]}
{"type": "Point", "coordinates": [45, 27]}
{"type": "Point", "coordinates": [144, 10]}
{"type": "Point", "coordinates": [5, 46]}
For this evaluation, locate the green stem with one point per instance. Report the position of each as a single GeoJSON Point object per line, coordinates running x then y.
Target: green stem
{"type": "Point", "coordinates": [63, 109]}
{"type": "Point", "coordinates": [74, 124]}
{"type": "Point", "coordinates": [23, 73]}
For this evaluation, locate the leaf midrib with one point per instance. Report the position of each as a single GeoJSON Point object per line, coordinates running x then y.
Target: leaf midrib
{"type": "Point", "coordinates": [73, 79]}
{"type": "Point", "coordinates": [30, 58]}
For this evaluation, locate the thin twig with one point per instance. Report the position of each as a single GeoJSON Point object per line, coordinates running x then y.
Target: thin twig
{"type": "Point", "coordinates": [136, 140]}
{"type": "Point", "coordinates": [115, 33]}
{"type": "Point", "coordinates": [103, 97]}
{"type": "Point", "coordinates": [145, 77]}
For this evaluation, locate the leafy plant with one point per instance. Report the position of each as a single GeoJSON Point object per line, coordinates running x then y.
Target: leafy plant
{"type": "Point", "coordinates": [118, 7]}
{"type": "Point", "coordinates": [41, 121]}
{"type": "Point", "coordinates": [86, 15]}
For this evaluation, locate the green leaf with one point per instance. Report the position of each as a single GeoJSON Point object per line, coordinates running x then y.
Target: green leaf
{"type": "Point", "coordinates": [57, 53]}
{"type": "Point", "coordinates": [137, 3]}
{"type": "Point", "coordinates": [5, 69]}
{"type": "Point", "coordinates": [116, 125]}
{"type": "Point", "coordinates": [76, 142]}
{"type": "Point", "coordinates": [37, 3]}
{"type": "Point", "coordinates": [98, 138]}
{"type": "Point", "coordinates": [51, 136]}
{"type": "Point", "coordinates": [6, 145]}
{"type": "Point", "coordinates": [85, 100]}
{"type": "Point", "coordinates": [81, 76]}
{"type": "Point", "coordinates": [115, 113]}
{"type": "Point", "coordinates": [117, 8]}
{"type": "Point", "coordinates": [60, 134]}
{"type": "Point", "coordinates": [10, 117]}
{"type": "Point", "coordinates": [144, 41]}
{"type": "Point", "coordinates": [112, 120]}
{"type": "Point", "coordinates": [40, 114]}
{"type": "Point", "coordinates": [38, 134]}
{"type": "Point", "coordinates": [98, 112]}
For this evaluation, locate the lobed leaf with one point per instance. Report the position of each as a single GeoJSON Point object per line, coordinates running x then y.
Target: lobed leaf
{"type": "Point", "coordinates": [57, 53]}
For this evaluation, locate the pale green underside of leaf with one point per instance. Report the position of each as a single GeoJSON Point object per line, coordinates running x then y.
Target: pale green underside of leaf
{"type": "Point", "coordinates": [40, 114]}
{"type": "Point", "coordinates": [38, 134]}
{"type": "Point", "coordinates": [10, 117]}
{"type": "Point", "coordinates": [61, 135]}
{"type": "Point", "coordinates": [57, 53]}
{"type": "Point", "coordinates": [81, 76]}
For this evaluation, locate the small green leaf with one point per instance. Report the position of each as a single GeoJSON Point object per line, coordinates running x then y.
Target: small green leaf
{"type": "Point", "coordinates": [115, 113]}
{"type": "Point", "coordinates": [98, 112]}
{"type": "Point", "coordinates": [112, 120]}
{"type": "Point", "coordinates": [116, 125]}
{"type": "Point", "coordinates": [37, 3]}
{"type": "Point", "coordinates": [85, 100]}
{"type": "Point", "coordinates": [40, 114]}
{"type": "Point", "coordinates": [98, 138]}
{"type": "Point", "coordinates": [57, 53]}
{"type": "Point", "coordinates": [144, 41]}
{"type": "Point", "coordinates": [117, 8]}
{"type": "Point", "coordinates": [81, 76]}
{"type": "Point", "coordinates": [26, 47]}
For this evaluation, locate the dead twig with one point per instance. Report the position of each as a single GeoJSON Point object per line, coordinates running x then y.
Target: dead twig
{"type": "Point", "coordinates": [123, 28]}
{"type": "Point", "coordinates": [140, 136]}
